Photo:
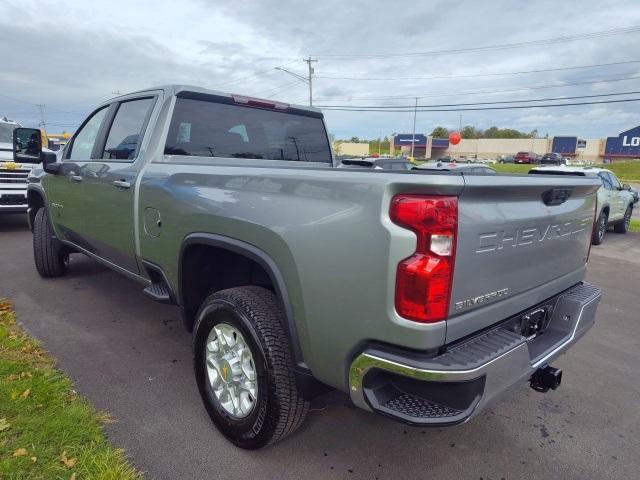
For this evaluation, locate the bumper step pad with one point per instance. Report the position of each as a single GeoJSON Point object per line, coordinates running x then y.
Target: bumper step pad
{"type": "Point", "coordinates": [416, 407]}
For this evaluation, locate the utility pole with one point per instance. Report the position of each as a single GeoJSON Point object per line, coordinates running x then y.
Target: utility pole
{"type": "Point", "coordinates": [310, 60]}
{"type": "Point", "coordinates": [460, 132]}
{"type": "Point", "coordinates": [413, 135]}
{"type": "Point", "coordinates": [43, 124]}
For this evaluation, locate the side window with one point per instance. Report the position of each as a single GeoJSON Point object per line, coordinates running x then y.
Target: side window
{"type": "Point", "coordinates": [126, 130]}
{"type": "Point", "coordinates": [614, 180]}
{"type": "Point", "coordinates": [605, 181]}
{"type": "Point", "coordinates": [86, 138]}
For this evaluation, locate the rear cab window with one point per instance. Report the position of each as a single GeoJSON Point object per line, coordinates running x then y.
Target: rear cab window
{"type": "Point", "coordinates": [207, 128]}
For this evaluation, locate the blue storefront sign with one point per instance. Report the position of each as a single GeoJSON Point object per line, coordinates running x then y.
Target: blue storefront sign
{"type": "Point", "coordinates": [406, 138]}
{"type": "Point", "coordinates": [439, 143]}
{"type": "Point", "coordinates": [564, 145]}
{"type": "Point", "coordinates": [627, 144]}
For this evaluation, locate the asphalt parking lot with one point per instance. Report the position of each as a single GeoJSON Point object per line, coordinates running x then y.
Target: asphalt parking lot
{"type": "Point", "coordinates": [131, 357]}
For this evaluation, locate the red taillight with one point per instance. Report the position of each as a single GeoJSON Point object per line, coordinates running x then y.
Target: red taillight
{"type": "Point", "coordinates": [423, 281]}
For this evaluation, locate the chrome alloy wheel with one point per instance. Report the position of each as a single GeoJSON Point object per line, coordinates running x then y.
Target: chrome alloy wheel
{"type": "Point", "coordinates": [231, 370]}
{"type": "Point", "coordinates": [627, 218]}
{"type": "Point", "coordinates": [602, 227]}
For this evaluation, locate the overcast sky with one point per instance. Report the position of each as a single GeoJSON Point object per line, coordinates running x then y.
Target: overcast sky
{"type": "Point", "coordinates": [70, 55]}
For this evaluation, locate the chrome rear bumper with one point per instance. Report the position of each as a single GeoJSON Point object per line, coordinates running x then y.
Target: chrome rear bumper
{"type": "Point", "coordinates": [453, 387]}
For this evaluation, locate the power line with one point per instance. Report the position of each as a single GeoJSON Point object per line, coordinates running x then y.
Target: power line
{"type": "Point", "coordinates": [276, 89]}
{"type": "Point", "coordinates": [257, 74]}
{"type": "Point", "coordinates": [502, 46]}
{"type": "Point", "coordinates": [476, 75]}
{"type": "Point", "coordinates": [510, 107]}
{"type": "Point", "coordinates": [411, 107]}
{"type": "Point", "coordinates": [484, 92]}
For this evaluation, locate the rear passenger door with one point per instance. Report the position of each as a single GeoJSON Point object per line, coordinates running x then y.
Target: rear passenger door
{"type": "Point", "coordinates": [110, 182]}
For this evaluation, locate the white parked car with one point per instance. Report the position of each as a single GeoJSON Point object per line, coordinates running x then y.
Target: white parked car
{"type": "Point", "coordinates": [615, 200]}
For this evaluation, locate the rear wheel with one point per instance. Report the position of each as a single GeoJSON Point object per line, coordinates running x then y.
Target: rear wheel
{"type": "Point", "coordinates": [244, 367]}
{"type": "Point", "coordinates": [601, 228]}
{"type": "Point", "coordinates": [49, 254]}
{"type": "Point", "coordinates": [623, 226]}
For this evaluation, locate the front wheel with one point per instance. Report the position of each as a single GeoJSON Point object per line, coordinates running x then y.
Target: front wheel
{"type": "Point", "coordinates": [623, 226]}
{"type": "Point", "coordinates": [601, 228]}
{"type": "Point", "coordinates": [50, 258]}
{"type": "Point", "coordinates": [244, 367]}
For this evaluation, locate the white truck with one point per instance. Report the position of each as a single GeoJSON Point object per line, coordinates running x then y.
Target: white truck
{"type": "Point", "coordinates": [13, 176]}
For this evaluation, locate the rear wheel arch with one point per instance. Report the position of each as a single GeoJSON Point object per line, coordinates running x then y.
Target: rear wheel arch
{"type": "Point", "coordinates": [201, 252]}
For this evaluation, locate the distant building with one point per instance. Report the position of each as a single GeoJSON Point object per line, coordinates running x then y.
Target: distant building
{"type": "Point", "coordinates": [626, 146]}
{"type": "Point", "coordinates": [351, 149]}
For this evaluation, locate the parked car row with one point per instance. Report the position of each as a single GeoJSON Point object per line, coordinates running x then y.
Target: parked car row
{"type": "Point", "coordinates": [528, 157]}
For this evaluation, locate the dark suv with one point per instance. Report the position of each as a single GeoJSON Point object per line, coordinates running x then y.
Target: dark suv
{"type": "Point", "coordinates": [526, 157]}
{"type": "Point", "coordinates": [552, 159]}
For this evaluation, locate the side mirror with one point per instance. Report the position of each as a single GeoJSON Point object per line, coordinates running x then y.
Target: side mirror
{"type": "Point", "coordinates": [27, 145]}
{"type": "Point", "coordinates": [49, 163]}
{"type": "Point", "coordinates": [626, 186]}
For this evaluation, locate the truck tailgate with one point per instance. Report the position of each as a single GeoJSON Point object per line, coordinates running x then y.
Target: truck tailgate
{"type": "Point", "coordinates": [519, 242]}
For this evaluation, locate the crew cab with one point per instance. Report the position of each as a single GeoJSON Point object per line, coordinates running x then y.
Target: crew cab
{"type": "Point", "coordinates": [232, 208]}
{"type": "Point", "coordinates": [615, 200]}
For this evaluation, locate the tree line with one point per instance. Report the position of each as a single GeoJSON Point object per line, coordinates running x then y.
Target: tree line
{"type": "Point", "coordinates": [469, 131]}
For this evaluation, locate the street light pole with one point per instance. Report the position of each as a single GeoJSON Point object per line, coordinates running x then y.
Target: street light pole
{"type": "Point", "coordinates": [413, 135]}
{"type": "Point", "coordinates": [308, 80]}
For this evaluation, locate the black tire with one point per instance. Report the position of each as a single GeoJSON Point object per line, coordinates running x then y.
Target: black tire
{"type": "Point", "coordinates": [623, 226]}
{"type": "Point", "coordinates": [49, 255]}
{"type": "Point", "coordinates": [279, 409]}
{"type": "Point", "coordinates": [600, 228]}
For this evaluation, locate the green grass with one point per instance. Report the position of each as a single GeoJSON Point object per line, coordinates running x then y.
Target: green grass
{"type": "Point", "coordinates": [46, 430]}
{"type": "Point", "coordinates": [512, 168]}
{"type": "Point", "coordinates": [635, 225]}
{"type": "Point", "coordinates": [625, 171]}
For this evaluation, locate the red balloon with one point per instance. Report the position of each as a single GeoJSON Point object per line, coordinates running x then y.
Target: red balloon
{"type": "Point", "coordinates": [454, 138]}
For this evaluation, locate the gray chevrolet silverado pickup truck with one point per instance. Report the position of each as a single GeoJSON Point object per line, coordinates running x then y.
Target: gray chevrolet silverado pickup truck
{"type": "Point", "coordinates": [424, 295]}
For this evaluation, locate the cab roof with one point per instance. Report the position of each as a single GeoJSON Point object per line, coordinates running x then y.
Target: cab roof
{"type": "Point", "coordinates": [176, 89]}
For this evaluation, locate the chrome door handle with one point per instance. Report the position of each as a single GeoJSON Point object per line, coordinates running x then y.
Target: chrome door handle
{"type": "Point", "coordinates": [121, 184]}
{"type": "Point", "coordinates": [76, 178]}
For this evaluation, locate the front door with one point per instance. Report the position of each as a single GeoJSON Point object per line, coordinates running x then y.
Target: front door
{"type": "Point", "coordinates": [66, 191]}
{"type": "Point", "coordinates": [110, 185]}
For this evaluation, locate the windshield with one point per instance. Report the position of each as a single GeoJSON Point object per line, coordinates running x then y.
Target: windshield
{"type": "Point", "coordinates": [212, 129]}
{"type": "Point", "coordinates": [6, 132]}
